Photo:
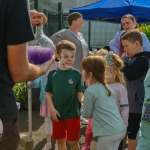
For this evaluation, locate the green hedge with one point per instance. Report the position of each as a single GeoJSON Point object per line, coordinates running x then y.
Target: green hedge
{"type": "Point", "coordinates": [20, 91]}
{"type": "Point", "coordinates": [146, 29]}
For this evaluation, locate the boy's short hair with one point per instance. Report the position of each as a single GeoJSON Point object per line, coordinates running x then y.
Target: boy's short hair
{"type": "Point", "coordinates": [133, 36]}
{"type": "Point", "coordinates": [65, 44]}
{"type": "Point", "coordinates": [74, 16]}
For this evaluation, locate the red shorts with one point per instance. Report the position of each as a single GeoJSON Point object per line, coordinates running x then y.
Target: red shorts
{"type": "Point", "coordinates": [69, 128]}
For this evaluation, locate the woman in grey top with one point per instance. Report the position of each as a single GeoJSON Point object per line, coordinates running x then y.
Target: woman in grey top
{"type": "Point", "coordinates": [76, 22]}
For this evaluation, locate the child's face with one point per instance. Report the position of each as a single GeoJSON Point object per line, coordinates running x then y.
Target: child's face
{"type": "Point", "coordinates": [110, 74]}
{"type": "Point", "coordinates": [131, 48]}
{"type": "Point", "coordinates": [66, 58]}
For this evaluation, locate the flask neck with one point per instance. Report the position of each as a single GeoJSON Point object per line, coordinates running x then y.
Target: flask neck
{"type": "Point", "coordinates": [39, 30]}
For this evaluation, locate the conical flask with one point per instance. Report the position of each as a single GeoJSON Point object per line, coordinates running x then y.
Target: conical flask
{"type": "Point", "coordinates": [41, 48]}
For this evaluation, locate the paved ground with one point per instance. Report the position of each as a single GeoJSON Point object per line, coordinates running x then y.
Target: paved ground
{"type": "Point", "coordinates": [38, 130]}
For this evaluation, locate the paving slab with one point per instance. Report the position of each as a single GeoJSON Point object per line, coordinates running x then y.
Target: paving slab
{"type": "Point", "coordinates": [38, 134]}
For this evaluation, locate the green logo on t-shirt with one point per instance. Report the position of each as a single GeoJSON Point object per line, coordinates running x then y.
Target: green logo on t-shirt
{"type": "Point", "coordinates": [70, 81]}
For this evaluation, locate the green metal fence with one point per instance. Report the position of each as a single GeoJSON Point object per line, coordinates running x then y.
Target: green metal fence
{"type": "Point", "coordinates": [53, 11]}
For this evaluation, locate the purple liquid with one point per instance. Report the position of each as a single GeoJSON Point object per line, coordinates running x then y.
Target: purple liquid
{"type": "Point", "coordinates": [39, 55]}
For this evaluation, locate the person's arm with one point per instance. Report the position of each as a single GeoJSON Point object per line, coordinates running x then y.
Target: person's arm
{"type": "Point", "coordinates": [80, 88]}
{"type": "Point", "coordinates": [135, 70]}
{"type": "Point", "coordinates": [125, 114]}
{"type": "Point", "coordinates": [54, 112]}
{"type": "Point", "coordinates": [87, 108]}
{"type": "Point", "coordinates": [18, 32]}
{"type": "Point", "coordinates": [20, 68]}
{"type": "Point", "coordinates": [37, 18]}
{"type": "Point", "coordinates": [123, 104]}
{"type": "Point", "coordinates": [114, 44]}
{"type": "Point", "coordinates": [80, 95]}
{"type": "Point", "coordinates": [146, 43]}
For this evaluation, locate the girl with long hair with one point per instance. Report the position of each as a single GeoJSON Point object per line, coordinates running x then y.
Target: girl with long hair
{"type": "Point", "coordinates": [99, 104]}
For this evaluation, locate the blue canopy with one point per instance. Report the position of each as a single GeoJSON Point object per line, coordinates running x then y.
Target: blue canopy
{"type": "Point", "coordinates": [113, 10]}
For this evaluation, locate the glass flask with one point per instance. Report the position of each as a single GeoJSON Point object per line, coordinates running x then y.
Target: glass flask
{"type": "Point", "coordinates": [41, 49]}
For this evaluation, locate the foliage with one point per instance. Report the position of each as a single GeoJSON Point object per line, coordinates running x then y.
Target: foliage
{"type": "Point", "coordinates": [145, 29]}
{"type": "Point", "coordinates": [20, 91]}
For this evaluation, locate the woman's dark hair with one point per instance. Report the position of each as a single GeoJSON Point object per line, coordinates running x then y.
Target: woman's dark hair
{"type": "Point", "coordinates": [73, 16]}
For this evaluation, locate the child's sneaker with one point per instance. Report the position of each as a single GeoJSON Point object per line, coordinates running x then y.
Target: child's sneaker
{"type": "Point", "coordinates": [83, 121]}
{"type": "Point", "coordinates": [56, 146]}
{"type": "Point", "coordinates": [47, 146]}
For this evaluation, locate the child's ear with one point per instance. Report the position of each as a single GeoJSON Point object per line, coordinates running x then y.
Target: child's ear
{"type": "Point", "coordinates": [57, 56]}
{"type": "Point", "coordinates": [90, 74]}
{"type": "Point", "coordinates": [137, 43]}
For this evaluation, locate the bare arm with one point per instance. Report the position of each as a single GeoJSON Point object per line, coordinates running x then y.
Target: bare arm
{"type": "Point", "coordinates": [20, 68]}
{"type": "Point", "coordinates": [54, 112]}
{"type": "Point", "coordinates": [80, 95]}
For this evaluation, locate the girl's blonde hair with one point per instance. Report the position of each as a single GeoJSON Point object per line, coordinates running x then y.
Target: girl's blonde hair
{"type": "Point", "coordinates": [101, 52]}
{"type": "Point", "coordinates": [96, 65]}
{"type": "Point", "coordinates": [114, 61]}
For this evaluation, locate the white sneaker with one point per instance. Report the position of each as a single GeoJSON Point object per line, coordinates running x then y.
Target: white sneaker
{"type": "Point", "coordinates": [56, 146]}
{"type": "Point", "coordinates": [83, 121]}
{"type": "Point", "coordinates": [47, 146]}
